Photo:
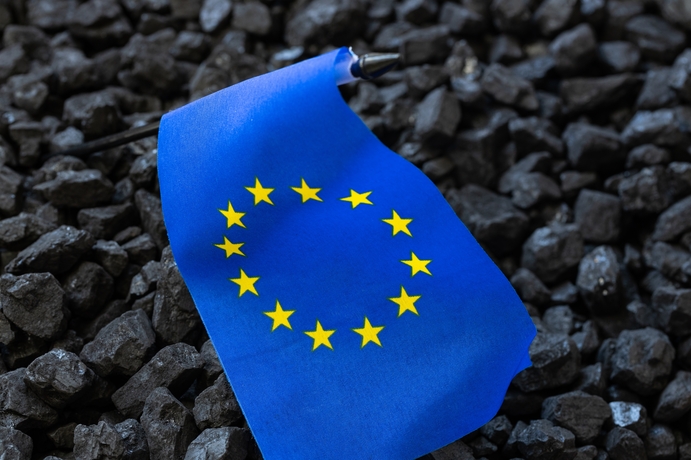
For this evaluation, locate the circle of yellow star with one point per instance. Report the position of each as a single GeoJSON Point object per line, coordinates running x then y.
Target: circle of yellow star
{"type": "Point", "coordinates": [356, 198]}
{"type": "Point", "coordinates": [369, 333]}
{"type": "Point", "coordinates": [260, 192]}
{"type": "Point", "coordinates": [405, 302]}
{"type": "Point", "coordinates": [280, 317]}
{"type": "Point", "coordinates": [320, 336]}
{"type": "Point", "coordinates": [246, 283]}
{"type": "Point", "coordinates": [230, 248]}
{"type": "Point", "coordinates": [398, 224]}
{"type": "Point", "coordinates": [307, 192]}
{"type": "Point", "coordinates": [233, 217]}
{"type": "Point", "coordinates": [417, 265]}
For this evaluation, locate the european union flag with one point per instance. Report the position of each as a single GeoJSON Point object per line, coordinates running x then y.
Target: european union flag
{"type": "Point", "coordinates": [354, 314]}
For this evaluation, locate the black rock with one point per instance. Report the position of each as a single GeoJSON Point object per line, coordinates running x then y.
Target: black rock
{"type": "Point", "coordinates": [536, 70]}
{"type": "Point", "coordinates": [88, 288]}
{"type": "Point", "coordinates": [535, 162]}
{"type": "Point", "coordinates": [623, 444]}
{"type": "Point", "coordinates": [511, 16]}
{"type": "Point", "coordinates": [106, 221]}
{"type": "Point", "coordinates": [10, 186]}
{"type": "Point", "coordinates": [112, 310]}
{"type": "Point", "coordinates": [656, 92]}
{"type": "Point", "coordinates": [134, 440]}
{"type": "Point", "coordinates": [642, 360]}
{"type": "Point", "coordinates": [674, 221]}
{"type": "Point", "coordinates": [14, 444]}
{"type": "Point", "coordinates": [672, 261]}
{"type": "Point", "coordinates": [231, 443]}
{"type": "Point", "coordinates": [122, 347]}
{"type": "Point", "coordinates": [252, 16]}
{"type": "Point", "coordinates": [145, 281]}
{"type": "Point", "coordinates": [592, 94]}
{"type": "Point", "coordinates": [175, 316]}
{"type": "Point", "coordinates": [58, 377]}
{"type": "Point", "coordinates": [656, 38]}
{"type": "Point", "coordinates": [565, 293]}
{"type": "Point", "coordinates": [600, 281]}
{"type": "Point", "coordinates": [111, 256]}
{"type": "Point", "coordinates": [541, 440]}
{"type": "Point", "coordinates": [507, 88]}
{"type": "Point", "coordinates": [20, 408]}
{"type": "Point", "coordinates": [98, 441]}
{"type": "Point", "coordinates": [619, 56]}
{"type": "Point", "coordinates": [216, 406]}
{"type": "Point", "coordinates": [581, 413]}
{"type": "Point", "coordinates": [679, 175]}
{"type": "Point", "coordinates": [18, 232]}
{"type": "Point", "coordinates": [141, 249]}
{"type": "Point", "coordinates": [417, 82]}
{"type": "Point", "coordinates": [77, 188]}
{"type": "Point", "coordinates": [535, 134]}
{"type": "Point", "coordinates": [437, 117]}
{"type": "Point", "coordinates": [646, 191]}
{"type": "Point", "coordinates": [553, 16]}
{"type": "Point", "coordinates": [629, 415]}
{"type": "Point", "coordinates": [598, 216]}
{"type": "Point", "coordinates": [573, 181]}
{"type": "Point", "coordinates": [28, 135]}
{"type": "Point", "coordinates": [530, 288]}
{"type": "Point", "coordinates": [457, 450]}
{"type": "Point", "coordinates": [151, 215]}
{"type": "Point", "coordinates": [214, 14]}
{"type": "Point", "coordinates": [461, 20]}
{"type": "Point", "coordinates": [592, 380]}
{"type": "Point", "coordinates": [552, 251]}
{"type": "Point", "coordinates": [505, 50]}
{"type": "Point", "coordinates": [558, 320]}
{"type": "Point", "coordinates": [663, 127]}
{"type": "Point", "coordinates": [661, 443]}
{"type": "Point", "coordinates": [675, 400]}
{"type": "Point", "coordinates": [556, 362]}
{"type": "Point", "coordinates": [174, 367]}
{"type": "Point", "coordinates": [325, 21]}
{"type": "Point", "coordinates": [647, 155]}
{"type": "Point", "coordinates": [212, 365]}
{"type": "Point", "coordinates": [491, 218]}
{"type": "Point", "coordinates": [672, 310]}
{"type": "Point", "coordinates": [574, 49]}
{"type": "Point", "coordinates": [591, 147]}
{"type": "Point", "coordinates": [94, 114]}
{"type": "Point", "coordinates": [35, 303]}
{"type": "Point", "coordinates": [531, 189]}
{"type": "Point", "coordinates": [497, 430]}
{"type": "Point", "coordinates": [169, 426]}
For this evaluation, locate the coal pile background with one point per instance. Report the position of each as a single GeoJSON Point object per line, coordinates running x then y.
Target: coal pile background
{"type": "Point", "coordinates": [559, 131]}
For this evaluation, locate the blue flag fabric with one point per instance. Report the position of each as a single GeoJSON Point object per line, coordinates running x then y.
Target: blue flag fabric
{"type": "Point", "coordinates": [354, 314]}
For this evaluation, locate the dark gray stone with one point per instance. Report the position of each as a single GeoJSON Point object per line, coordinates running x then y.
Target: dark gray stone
{"type": "Point", "coordinates": [15, 445]}
{"type": "Point", "coordinates": [20, 408]}
{"type": "Point", "coordinates": [656, 92]}
{"type": "Point", "coordinates": [111, 256]}
{"type": "Point", "coordinates": [174, 367]}
{"type": "Point", "coordinates": [214, 14]}
{"type": "Point", "coordinates": [574, 49]}
{"type": "Point", "coordinates": [600, 281]}
{"type": "Point", "coordinates": [169, 426]}
{"type": "Point", "coordinates": [10, 186]}
{"type": "Point", "coordinates": [629, 415]}
{"type": "Point", "coordinates": [558, 320]}
{"type": "Point", "coordinates": [581, 413]}
{"type": "Point", "coordinates": [212, 365]}
{"type": "Point", "coordinates": [77, 188]}
{"type": "Point", "coordinates": [591, 147]}
{"type": "Point", "coordinates": [507, 88]}
{"type": "Point", "coordinates": [598, 216]}
{"type": "Point", "coordinates": [229, 443]}
{"type": "Point", "coordinates": [647, 155]}
{"type": "Point", "coordinates": [94, 114]}
{"type": "Point", "coordinates": [511, 16]}
{"type": "Point", "coordinates": [530, 288]}
{"type": "Point", "coordinates": [533, 134]}
{"type": "Point", "coordinates": [100, 441]}
{"type": "Point", "coordinates": [656, 38]}
{"type": "Point", "coordinates": [141, 249]}
{"type": "Point", "coordinates": [556, 362]}
{"type": "Point", "coordinates": [675, 400]}
{"type": "Point", "coordinates": [106, 221]}
{"type": "Point", "coordinates": [88, 288]}
{"type": "Point", "coordinates": [217, 406]}
{"type": "Point", "coordinates": [661, 443]}
{"type": "Point", "coordinates": [18, 232]}
{"type": "Point", "coordinates": [646, 191]}
{"type": "Point", "coordinates": [151, 215]}
{"type": "Point", "coordinates": [619, 56]}
{"type": "Point", "coordinates": [541, 440]}
{"type": "Point", "coordinates": [553, 16]}
{"type": "Point", "coordinates": [437, 117]}
{"type": "Point", "coordinates": [552, 251]}
{"type": "Point", "coordinates": [642, 360]}
{"type": "Point", "coordinates": [325, 21]}
{"type": "Point", "coordinates": [122, 347]}
{"type": "Point", "coordinates": [674, 221]}
{"type": "Point", "coordinates": [672, 310]}
{"type": "Point", "coordinates": [672, 261]}
{"type": "Point", "coordinates": [35, 303]}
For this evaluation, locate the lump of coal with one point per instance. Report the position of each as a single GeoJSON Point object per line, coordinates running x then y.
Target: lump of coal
{"type": "Point", "coordinates": [169, 426]}
{"type": "Point", "coordinates": [556, 361]}
{"type": "Point", "coordinates": [552, 251]}
{"type": "Point", "coordinates": [600, 281]}
{"type": "Point", "coordinates": [581, 413]}
{"type": "Point", "coordinates": [642, 360]}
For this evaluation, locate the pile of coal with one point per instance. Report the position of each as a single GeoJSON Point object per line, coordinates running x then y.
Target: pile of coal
{"type": "Point", "coordinates": [558, 130]}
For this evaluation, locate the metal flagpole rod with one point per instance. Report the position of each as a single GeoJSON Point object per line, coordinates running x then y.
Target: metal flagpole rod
{"type": "Point", "coordinates": [365, 67]}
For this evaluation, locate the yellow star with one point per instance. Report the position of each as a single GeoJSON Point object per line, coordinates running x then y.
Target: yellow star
{"type": "Point", "coordinates": [306, 192]}
{"type": "Point", "coordinates": [232, 216]}
{"type": "Point", "coordinates": [356, 198]}
{"type": "Point", "coordinates": [320, 336]}
{"type": "Point", "coordinates": [280, 317]}
{"type": "Point", "coordinates": [417, 265]}
{"type": "Point", "coordinates": [398, 224]}
{"type": "Point", "coordinates": [369, 333]}
{"type": "Point", "coordinates": [246, 283]}
{"type": "Point", "coordinates": [260, 192]}
{"type": "Point", "coordinates": [230, 248]}
{"type": "Point", "coordinates": [405, 302]}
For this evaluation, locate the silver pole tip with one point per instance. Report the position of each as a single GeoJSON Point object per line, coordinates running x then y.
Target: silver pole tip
{"type": "Point", "coordinates": [373, 65]}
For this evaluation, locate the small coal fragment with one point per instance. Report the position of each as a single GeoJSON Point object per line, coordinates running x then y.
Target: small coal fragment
{"type": "Point", "coordinates": [556, 362]}
{"type": "Point", "coordinates": [558, 320]}
{"type": "Point", "coordinates": [437, 117]}
{"type": "Point", "coordinates": [507, 88]}
{"type": "Point", "coordinates": [105, 222]}
{"type": "Point", "coordinates": [672, 310]}
{"type": "Point", "coordinates": [574, 49]}
{"type": "Point", "coordinates": [145, 281]}
{"type": "Point", "coordinates": [530, 288]}
{"type": "Point", "coordinates": [491, 218]}
{"type": "Point", "coordinates": [511, 16]}
{"type": "Point", "coordinates": [134, 440]}
{"type": "Point", "coordinates": [252, 16]}
{"type": "Point", "coordinates": [122, 347]}
{"type": "Point", "coordinates": [35, 303]}
{"type": "Point", "coordinates": [618, 56]}
{"type": "Point", "coordinates": [497, 430]}
{"type": "Point", "coordinates": [151, 215]}
{"type": "Point", "coordinates": [169, 426]}
{"type": "Point", "coordinates": [535, 162]}
{"type": "Point", "coordinates": [573, 181]}
{"type": "Point", "coordinates": [675, 400]}
{"type": "Point", "coordinates": [663, 127]}
{"type": "Point", "coordinates": [174, 367]}
{"type": "Point", "coordinates": [553, 16]}
{"type": "Point", "coordinates": [20, 408]}
{"type": "Point", "coordinates": [592, 380]}
{"type": "Point", "coordinates": [505, 50]}
{"type": "Point", "coordinates": [212, 365]}
{"type": "Point", "coordinates": [642, 360]}
{"type": "Point", "coordinates": [112, 310]}
{"type": "Point", "coordinates": [674, 221]}
{"type": "Point", "coordinates": [591, 148]}
{"type": "Point", "coordinates": [647, 155]}
{"type": "Point", "coordinates": [77, 188]}
{"type": "Point", "coordinates": [661, 444]}
{"type": "Point", "coordinates": [656, 92]}
{"type": "Point", "coordinates": [541, 440]}
{"type": "Point", "coordinates": [58, 377]}
{"type": "Point", "coordinates": [227, 442]}
{"type": "Point", "coordinates": [97, 442]}
{"type": "Point", "coordinates": [623, 444]}
{"type": "Point", "coordinates": [656, 38]}
{"type": "Point", "coordinates": [587, 339]}
{"type": "Point", "coordinates": [457, 450]}
{"type": "Point", "coordinates": [111, 256]}
{"type": "Point", "coordinates": [598, 216]}
{"type": "Point", "coordinates": [141, 249]}
{"type": "Point", "coordinates": [600, 281]}
{"type": "Point", "coordinates": [552, 251]}
{"type": "Point", "coordinates": [88, 288]}
{"type": "Point", "coordinates": [28, 135]}
{"type": "Point", "coordinates": [18, 232]}
{"type": "Point", "coordinates": [629, 415]}
{"type": "Point", "coordinates": [214, 14]}
{"type": "Point", "coordinates": [94, 114]}
{"type": "Point", "coordinates": [10, 186]}
{"type": "Point", "coordinates": [426, 45]}
{"type": "Point", "coordinates": [645, 192]}
{"type": "Point", "coordinates": [217, 406]}
{"type": "Point", "coordinates": [581, 413]}
{"type": "Point", "coordinates": [672, 261]}
{"type": "Point", "coordinates": [15, 445]}
{"type": "Point", "coordinates": [461, 20]}
{"type": "Point", "coordinates": [535, 134]}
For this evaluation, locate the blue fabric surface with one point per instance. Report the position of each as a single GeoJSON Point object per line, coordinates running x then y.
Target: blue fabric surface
{"type": "Point", "coordinates": [417, 374]}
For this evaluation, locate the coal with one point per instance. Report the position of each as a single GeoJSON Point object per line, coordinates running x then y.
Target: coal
{"type": "Point", "coordinates": [656, 38]}
{"type": "Point", "coordinates": [647, 155]}
{"type": "Point", "coordinates": [661, 443]}
{"type": "Point", "coordinates": [214, 14]}
{"type": "Point", "coordinates": [20, 408]}
{"type": "Point", "coordinates": [511, 16]}
{"type": "Point", "coordinates": [542, 440]}
{"type": "Point", "coordinates": [141, 249]}
{"type": "Point", "coordinates": [646, 191]}
{"type": "Point", "coordinates": [534, 134]}
{"type": "Point", "coordinates": [647, 370]}
{"type": "Point", "coordinates": [672, 310]}
{"type": "Point", "coordinates": [97, 441]}
{"type": "Point", "coordinates": [598, 216]}
{"type": "Point", "coordinates": [59, 377]}
{"type": "Point", "coordinates": [106, 221]}
{"type": "Point", "coordinates": [556, 362]}
{"type": "Point", "coordinates": [574, 49]}
{"type": "Point", "coordinates": [10, 185]}
{"type": "Point", "coordinates": [656, 92]}
{"type": "Point", "coordinates": [600, 281]}
{"type": "Point", "coordinates": [591, 147]}
{"type": "Point", "coordinates": [592, 380]}
{"type": "Point", "coordinates": [624, 444]}
{"type": "Point", "coordinates": [169, 426]}
{"type": "Point", "coordinates": [174, 367]}
{"type": "Point", "coordinates": [227, 442]}
{"type": "Point", "coordinates": [629, 415]}
{"type": "Point", "coordinates": [437, 116]}
{"type": "Point", "coordinates": [619, 56]}
{"type": "Point", "coordinates": [121, 347]}
{"type": "Point", "coordinates": [18, 232]}
{"type": "Point", "coordinates": [675, 400]}
{"type": "Point", "coordinates": [217, 406]}
{"type": "Point", "coordinates": [581, 413]}
{"type": "Point", "coordinates": [674, 221]}
{"type": "Point", "coordinates": [552, 251]}
{"type": "Point", "coordinates": [553, 16]}
{"type": "Point", "coordinates": [111, 256]}
{"type": "Point", "coordinates": [530, 288]}
{"type": "Point", "coordinates": [35, 303]}
{"type": "Point", "coordinates": [461, 20]}
{"type": "Point", "coordinates": [88, 288]}
{"type": "Point", "coordinates": [151, 215]}
{"type": "Point", "coordinates": [94, 114]}
{"type": "Point", "coordinates": [212, 365]}
{"type": "Point", "coordinates": [507, 88]}
{"type": "Point", "coordinates": [14, 444]}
